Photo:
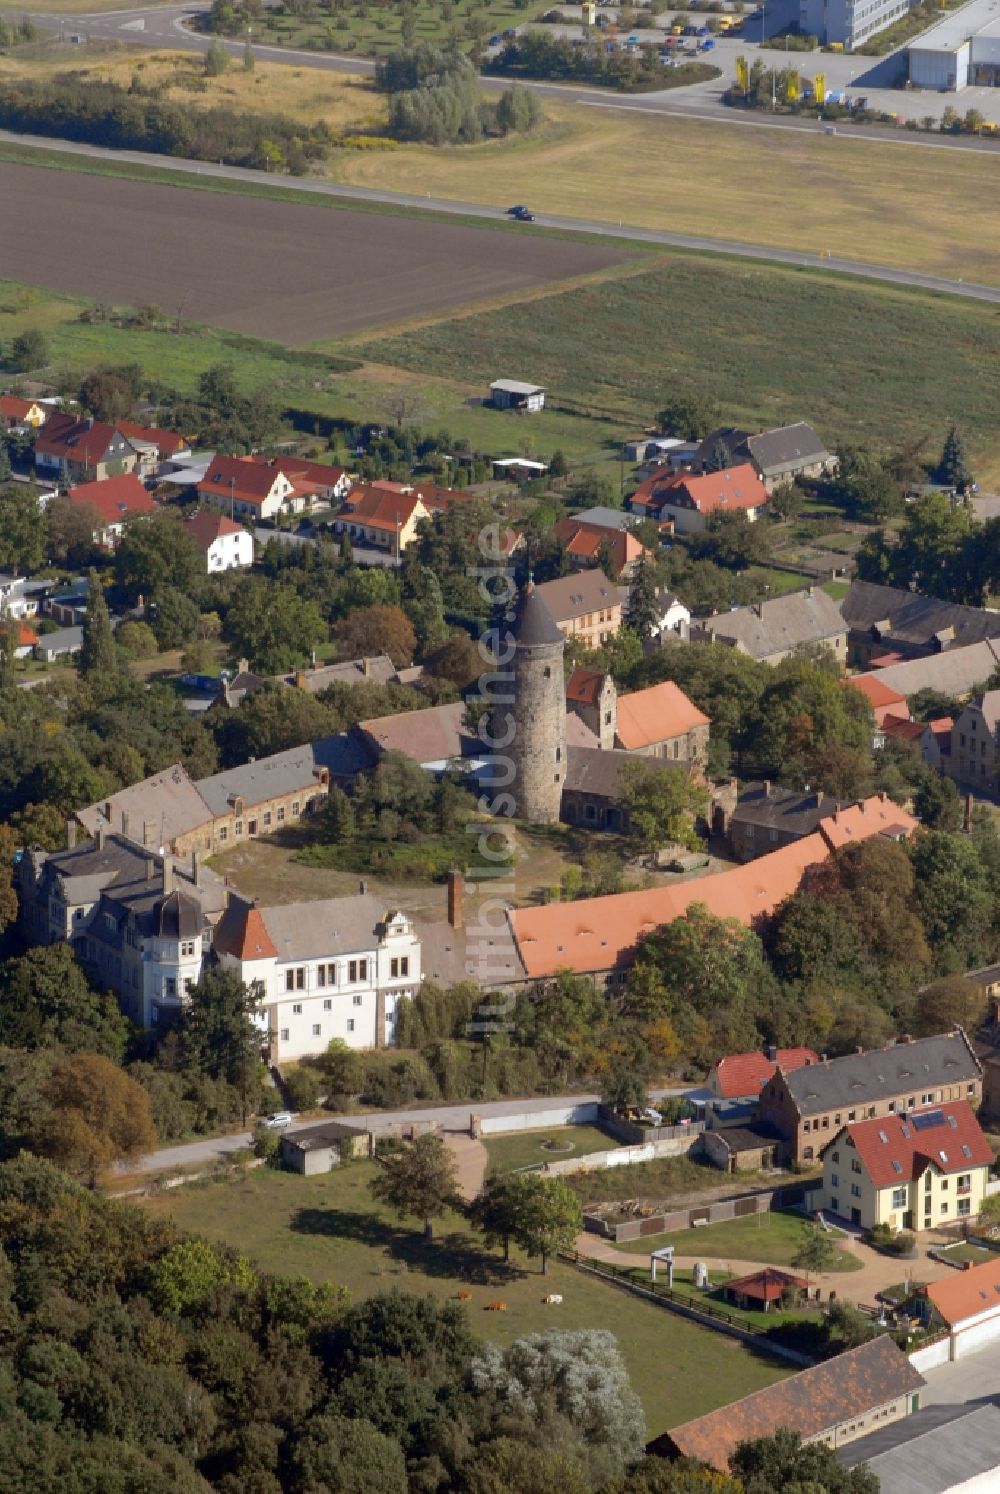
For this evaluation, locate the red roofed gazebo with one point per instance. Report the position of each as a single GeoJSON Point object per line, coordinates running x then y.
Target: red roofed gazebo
{"type": "Point", "coordinates": [762, 1289]}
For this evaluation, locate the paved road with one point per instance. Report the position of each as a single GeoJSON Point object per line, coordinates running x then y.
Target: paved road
{"type": "Point", "coordinates": [449, 1117]}
{"type": "Point", "coordinates": [697, 242]}
{"type": "Point", "coordinates": [168, 26]}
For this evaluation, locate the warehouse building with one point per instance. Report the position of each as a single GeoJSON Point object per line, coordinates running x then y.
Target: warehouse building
{"type": "Point", "coordinates": [961, 51]}
{"type": "Point", "coordinates": [848, 22]}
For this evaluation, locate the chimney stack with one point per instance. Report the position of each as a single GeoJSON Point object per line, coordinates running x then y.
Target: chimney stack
{"type": "Point", "coordinates": [771, 1052]}
{"type": "Point", "coordinates": [767, 788]}
{"type": "Point", "coordinates": [366, 666]}
{"type": "Point", "coordinates": [71, 835]}
{"type": "Point", "coordinates": [244, 666]}
{"type": "Point", "coordinates": [456, 897]}
{"type": "Point", "coordinates": [168, 875]}
{"type": "Point", "coordinates": [99, 837]}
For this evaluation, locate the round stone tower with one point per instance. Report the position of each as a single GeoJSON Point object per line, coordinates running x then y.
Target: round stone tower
{"type": "Point", "coordinates": [538, 750]}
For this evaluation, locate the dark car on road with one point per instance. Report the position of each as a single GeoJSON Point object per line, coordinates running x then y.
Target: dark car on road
{"type": "Point", "coordinates": [521, 213]}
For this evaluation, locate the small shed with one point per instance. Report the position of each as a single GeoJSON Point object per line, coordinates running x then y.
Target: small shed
{"type": "Point", "coordinates": [323, 1147]}
{"type": "Point", "coordinates": [511, 394]}
{"type": "Point", "coordinates": [762, 1290]}
{"type": "Point", "coordinates": [744, 1148]}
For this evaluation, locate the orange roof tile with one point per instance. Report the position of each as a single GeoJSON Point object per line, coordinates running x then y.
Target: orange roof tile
{"type": "Point", "coordinates": [15, 408]}
{"type": "Point", "coordinates": [730, 489]}
{"type": "Point", "coordinates": [875, 816]}
{"type": "Point", "coordinates": [115, 498]}
{"type": "Point", "coordinates": [900, 1148]}
{"type": "Point", "coordinates": [377, 508]}
{"type": "Point", "coordinates": [965, 1294]}
{"type": "Point", "coordinates": [600, 933]}
{"type": "Point", "coordinates": [585, 686]}
{"type": "Point", "coordinates": [902, 727]}
{"type": "Point", "coordinates": [166, 442]}
{"type": "Point", "coordinates": [874, 690]}
{"type": "Point", "coordinates": [26, 637]}
{"type": "Point", "coordinates": [240, 478]}
{"type": "Point", "coordinates": [244, 934]}
{"type": "Point", "coordinates": [742, 1074]}
{"type": "Point", "coordinates": [655, 715]}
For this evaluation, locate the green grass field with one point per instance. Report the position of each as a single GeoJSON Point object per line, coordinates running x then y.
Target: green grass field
{"type": "Point", "coordinates": [664, 1179]}
{"type": "Point", "coordinates": [773, 1238]}
{"type": "Point", "coordinates": [526, 1148]}
{"type": "Point", "coordinates": [373, 32]}
{"type": "Point", "coordinates": [770, 344]}
{"type": "Point", "coordinates": [328, 1229]}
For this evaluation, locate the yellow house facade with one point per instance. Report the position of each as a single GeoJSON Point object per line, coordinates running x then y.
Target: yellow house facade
{"type": "Point", "coordinates": [910, 1172]}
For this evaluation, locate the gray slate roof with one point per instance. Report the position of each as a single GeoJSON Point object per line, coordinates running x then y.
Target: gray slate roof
{"type": "Point", "coordinates": [882, 1073]}
{"type": "Point", "coordinates": [911, 620]}
{"type": "Point", "coordinates": [591, 771]}
{"type": "Point", "coordinates": [606, 518]}
{"type": "Point", "coordinates": [316, 1138]}
{"type": "Point", "coordinates": [954, 673]}
{"type": "Point", "coordinates": [533, 621]}
{"type": "Point", "coordinates": [936, 1449]}
{"type": "Point", "coordinates": [777, 626]}
{"type": "Point", "coordinates": [284, 772]}
{"type": "Point", "coordinates": [167, 805]}
{"type": "Point", "coordinates": [786, 449]}
{"type": "Point", "coordinates": [570, 597]}
{"type": "Point", "coordinates": [776, 808]}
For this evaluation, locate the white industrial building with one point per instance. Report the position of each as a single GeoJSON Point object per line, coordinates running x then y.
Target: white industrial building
{"type": "Point", "coordinates": [848, 22]}
{"type": "Point", "coordinates": [961, 51]}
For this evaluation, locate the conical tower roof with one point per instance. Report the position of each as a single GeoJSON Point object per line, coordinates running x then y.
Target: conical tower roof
{"type": "Point", "coordinates": [533, 623]}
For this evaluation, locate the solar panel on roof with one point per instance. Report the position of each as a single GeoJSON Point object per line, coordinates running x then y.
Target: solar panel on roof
{"type": "Point", "coordinates": [953, 1122]}
{"type": "Point", "coordinates": [927, 1119]}
{"type": "Point", "coordinates": [905, 1130]}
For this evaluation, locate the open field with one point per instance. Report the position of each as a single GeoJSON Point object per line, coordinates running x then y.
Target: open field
{"type": "Point", "coordinates": [282, 271]}
{"type": "Point", "coordinates": [774, 1238]}
{"type": "Point", "coordinates": [529, 1148]}
{"type": "Point", "coordinates": [347, 102]}
{"type": "Point", "coordinates": [863, 199]}
{"type": "Point", "coordinates": [328, 1229]}
{"type": "Point", "coordinates": [770, 344]}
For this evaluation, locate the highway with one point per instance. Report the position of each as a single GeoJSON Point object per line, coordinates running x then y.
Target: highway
{"type": "Point", "coordinates": [701, 244]}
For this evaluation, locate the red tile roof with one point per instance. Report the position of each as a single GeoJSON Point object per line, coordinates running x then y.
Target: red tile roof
{"type": "Point", "coordinates": [899, 1148]}
{"type": "Point", "coordinates": [167, 443]}
{"type": "Point", "coordinates": [584, 541]}
{"type": "Point", "coordinates": [15, 408]}
{"type": "Point", "coordinates": [379, 509]}
{"type": "Point", "coordinates": [243, 478]}
{"type": "Point", "coordinates": [307, 476]}
{"type": "Point", "coordinates": [600, 933]}
{"type": "Point", "coordinates": [206, 526]}
{"type": "Point", "coordinates": [965, 1294]}
{"type": "Point", "coordinates": [655, 715]}
{"type": "Point", "coordinates": [115, 498]}
{"type": "Point", "coordinates": [731, 489]}
{"type": "Point", "coordinates": [26, 637]}
{"type": "Point", "coordinates": [812, 1402]}
{"type": "Point", "coordinates": [585, 686]}
{"type": "Point", "coordinates": [741, 1074]}
{"type": "Point", "coordinates": [941, 730]}
{"type": "Point", "coordinates": [875, 691]}
{"type": "Point", "coordinates": [767, 1285]}
{"type": "Point", "coordinates": [902, 727]}
{"type": "Point", "coordinates": [69, 436]}
{"type": "Point", "coordinates": [243, 933]}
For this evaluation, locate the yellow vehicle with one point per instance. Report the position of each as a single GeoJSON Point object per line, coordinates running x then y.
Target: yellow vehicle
{"type": "Point", "coordinates": [989, 128]}
{"type": "Point", "coordinates": [726, 23]}
{"type": "Point", "coordinates": [835, 47]}
{"type": "Point", "coordinates": [677, 31]}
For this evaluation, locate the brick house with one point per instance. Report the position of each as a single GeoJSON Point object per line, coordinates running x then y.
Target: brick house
{"type": "Point", "coordinates": [920, 1170]}
{"type": "Point", "coordinates": [810, 1105]}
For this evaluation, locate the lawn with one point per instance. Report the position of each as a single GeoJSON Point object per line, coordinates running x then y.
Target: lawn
{"type": "Point", "coordinates": [664, 1179]}
{"type": "Point", "coordinates": [530, 1148]}
{"type": "Point", "coordinates": [773, 1238]}
{"type": "Point", "coordinates": [328, 1228]}
{"type": "Point", "coordinates": [966, 1252]}
{"type": "Point", "coordinates": [743, 1318]}
{"type": "Point", "coordinates": [894, 203]}
{"type": "Point", "coordinates": [770, 344]}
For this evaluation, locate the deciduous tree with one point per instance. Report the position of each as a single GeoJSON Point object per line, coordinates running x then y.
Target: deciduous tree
{"type": "Point", "coordinates": [98, 1116]}
{"type": "Point", "coordinates": [376, 630]}
{"type": "Point", "coordinates": [417, 1180]}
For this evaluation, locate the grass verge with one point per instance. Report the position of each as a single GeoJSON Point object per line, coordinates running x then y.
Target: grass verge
{"type": "Point", "coordinates": [328, 1229]}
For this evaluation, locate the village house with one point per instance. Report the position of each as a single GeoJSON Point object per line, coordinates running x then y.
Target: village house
{"type": "Point", "coordinates": [672, 620]}
{"type": "Point", "coordinates": [742, 1076]}
{"type": "Point", "coordinates": [888, 625]}
{"type": "Point", "coordinates": [592, 697]}
{"type": "Point", "coordinates": [598, 936]}
{"type": "Point", "coordinates": [78, 449]}
{"type": "Point", "coordinates": [226, 546]}
{"type": "Point", "coordinates": [809, 1105]}
{"type": "Point", "coordinates": [768, 816]}
{"type": "Point", "coordinates": [966, 1303]}
{"type": "Point", "coordinates": [975, 744]}
{"type": "Point", "coordinates": [785, 453]}
{"type": "Point", "coordinates": [313, 481]}
{"type": "Point", "coordinates": [769, 631]}
{"type": "Point", "coordinates": [438, 737]}
{"type": "Point", "coordinates": [21, 598]}
{"type": "Point", "coordinates": [153, 446]}
{"type": "Point", "coordinates": [139, 923]}
{"type": "Point", "coordinates": [17, 414]}
{"type": "Point", "coordinates": [112, 500]}
{"type": "Point", "coordinates": [585, 607]}
{"type": "Point", "coordinates": [916, 1171]}
{"type": "Point", "coordinates": [587, 544]}
{"type": "Point", "coordinates": [252, 490]}
{"type": "Point", "coordinates": [834, 1402]}
{"type": "Point", "coordinates": [513, 394]}
{"type": "Point", "coordinates": [335, 968]}
{"type": "Point", "coordinates": [662, 722]}
{"type": "Point", "coordinates": [595, 782]}
{"type": "Point", "coordinates": [883, 699]}
{"type": "Point", "coordinates": [690, 501]}
{"type": "Point", "coordinates": [385, 519]}
{"type": "Point", "coordinates": [171, 812]}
